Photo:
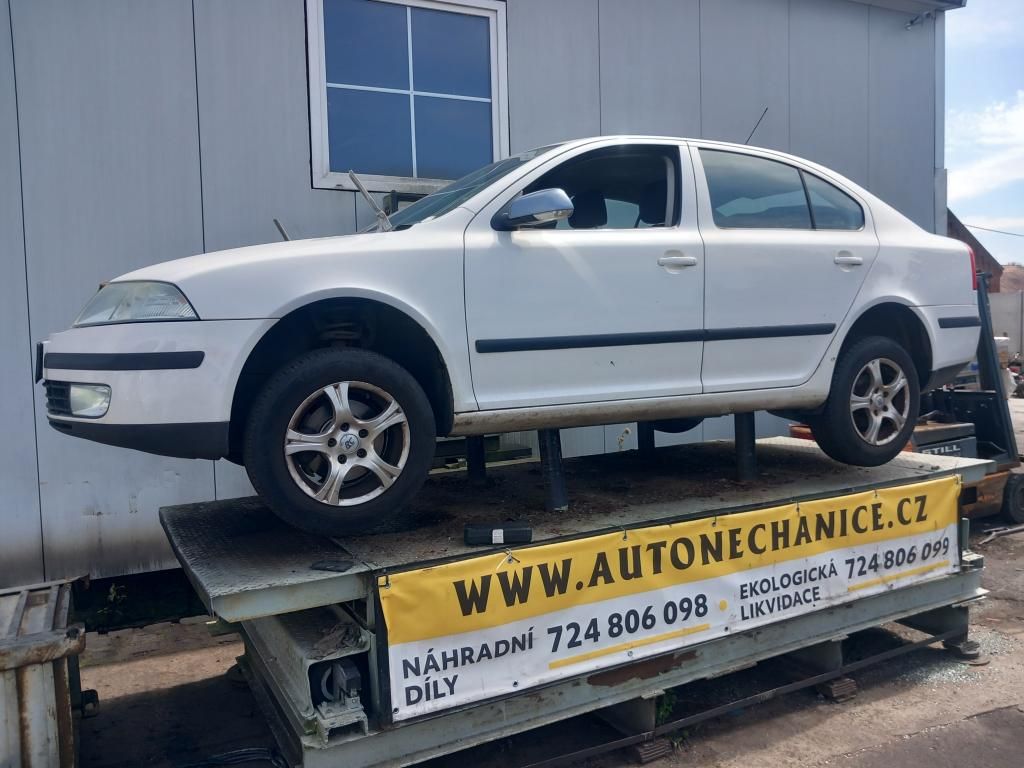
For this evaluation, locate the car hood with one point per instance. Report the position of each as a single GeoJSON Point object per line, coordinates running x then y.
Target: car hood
{"type": "Point", "coordinates": [267, 281]}
{"type": "Point", "coordinates": [258, 258]}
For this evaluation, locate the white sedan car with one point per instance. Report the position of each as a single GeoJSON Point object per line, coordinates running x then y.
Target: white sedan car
{"type": "Point", "coordinates": [595, 281]}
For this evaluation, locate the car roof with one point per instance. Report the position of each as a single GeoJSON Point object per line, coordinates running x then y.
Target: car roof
{"type": "Point", "coordinates": [629, 137]}
{"type": "Point", "coordinates": [877, 205]}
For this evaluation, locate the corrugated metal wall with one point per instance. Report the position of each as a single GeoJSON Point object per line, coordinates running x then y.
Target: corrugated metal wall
{"type": "Point", "coordinates": [131, 133]}
{"type": "Point", "coordinates": [1008, 318]}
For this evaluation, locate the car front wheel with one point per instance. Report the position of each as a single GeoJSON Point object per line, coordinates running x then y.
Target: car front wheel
{"type": "Point", "coordinates": [872, 406]}
{"type": "Point", "coordinates": [339, 441]}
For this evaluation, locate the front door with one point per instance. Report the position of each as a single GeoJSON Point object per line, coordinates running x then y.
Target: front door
{"type": "Point", "coordinates": [605, 305]}
{"type": "Point", "coordinates": [787, 253]}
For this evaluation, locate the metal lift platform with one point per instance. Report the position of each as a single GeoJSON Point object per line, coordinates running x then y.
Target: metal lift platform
{"type": "Point", "coordinates": [377, 651]}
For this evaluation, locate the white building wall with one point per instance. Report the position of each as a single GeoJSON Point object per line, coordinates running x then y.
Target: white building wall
{"type": "Point", "coordinates": [21, 539]}
{"type": "Point", "coordinates": [149, 131]}
{"type": "Point", "coordinates": [110, 179]}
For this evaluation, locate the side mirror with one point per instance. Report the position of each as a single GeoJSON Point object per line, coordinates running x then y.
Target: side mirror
{"type": "Point", "coordinates": [540, 207]}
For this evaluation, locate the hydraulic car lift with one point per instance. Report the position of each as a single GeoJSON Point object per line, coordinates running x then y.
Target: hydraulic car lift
{"type": "Point", "coordinates": [325, 622]}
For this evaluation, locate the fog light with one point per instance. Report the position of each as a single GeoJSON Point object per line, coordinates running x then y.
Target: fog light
{"type": "Point", "coordinates": [89, 401]}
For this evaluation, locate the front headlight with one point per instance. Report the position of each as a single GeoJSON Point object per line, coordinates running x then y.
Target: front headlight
{"type": "Point", "coordinates": [130, 302]}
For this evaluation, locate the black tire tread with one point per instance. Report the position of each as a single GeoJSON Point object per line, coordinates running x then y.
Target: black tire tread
{"type": "Point", "coordinates": [1013, 499]}
{"type": "Point", "coordinates": [278, 490]}
{"type": "Point", "coordinates": [833, 429]}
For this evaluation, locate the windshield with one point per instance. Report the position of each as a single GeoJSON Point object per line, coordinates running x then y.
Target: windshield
{"type": "Point", "coordinates": [455, 194]}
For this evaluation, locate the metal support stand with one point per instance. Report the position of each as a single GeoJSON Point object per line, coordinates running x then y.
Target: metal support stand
{"type": "Point", "coordinates": [645, 439]}
{"type": "Point", "coordinates": [638, 716]}
{"type": "Point", "coordinates": [551, 468]}
{"type": "Point", "coordinates": [476, 463]}
{"type": "Point", "coordinates": [746, 458]}
{"type": "Point", "coordinates": [821, 659]}
{"type": "Point", "coordinates": [948, 619]}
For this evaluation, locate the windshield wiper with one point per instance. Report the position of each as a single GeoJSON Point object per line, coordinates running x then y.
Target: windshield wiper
{"type": "Point", "coordinates": [383, 222]}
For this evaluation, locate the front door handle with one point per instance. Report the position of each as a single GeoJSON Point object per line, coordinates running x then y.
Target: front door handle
{"type": "Point", "coordinates": [677, 261]}
{"type": "Point", "coordinates": [846, 259]}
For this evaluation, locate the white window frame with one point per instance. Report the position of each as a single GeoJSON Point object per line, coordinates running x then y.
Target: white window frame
{"type": "Point", "coordinates": [323, 176]}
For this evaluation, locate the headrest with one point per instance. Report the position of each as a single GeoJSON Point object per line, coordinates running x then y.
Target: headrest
{"type": "Point", "coordinates": [652, 203]}
{"type": "Point", "coordinates": [589, 210]}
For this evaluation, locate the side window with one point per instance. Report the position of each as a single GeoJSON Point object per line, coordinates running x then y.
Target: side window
{"type": "Point", "coordinates": [629, 187]}
{"type": "Point", "coordinates": [750, 192]}
{"type": "Point", "coordinates": [832, 208]}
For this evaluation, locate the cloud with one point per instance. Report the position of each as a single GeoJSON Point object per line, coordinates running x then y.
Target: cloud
{"type": "Point", "coordinates": [988, 23]}
{"type": "Point", "coordinates": [986, 149]}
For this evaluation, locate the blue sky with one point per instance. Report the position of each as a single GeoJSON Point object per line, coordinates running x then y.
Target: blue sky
{"type": "Point", "coordinates": [985, 121]}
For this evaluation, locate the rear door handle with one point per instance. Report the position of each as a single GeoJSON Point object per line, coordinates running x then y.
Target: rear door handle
{"type": "Point", "coordinates": [848, 260]}
{"type": "Point", "coordinates": [677, 261]}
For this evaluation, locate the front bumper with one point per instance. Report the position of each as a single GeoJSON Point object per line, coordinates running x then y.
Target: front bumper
{"type": "Point", "coordinates": [172, 384]}
{"type": "Point", "coordinates": [198, 440]}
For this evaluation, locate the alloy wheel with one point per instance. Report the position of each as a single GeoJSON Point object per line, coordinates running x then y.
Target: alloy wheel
{"type": "Point", "coordinates": [347, 443]}
{"type": "Point", "coordinates": [880, 401]}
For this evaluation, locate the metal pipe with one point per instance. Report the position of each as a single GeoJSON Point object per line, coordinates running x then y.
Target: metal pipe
{"type": "Point", "coordinates": [645, 439]}
{"type": "Point", "coordinates": [476, 463]}
{"type": "Point", "coordinates": [551, 469]}
{"type": "Point", "coordinates": [746, 457]}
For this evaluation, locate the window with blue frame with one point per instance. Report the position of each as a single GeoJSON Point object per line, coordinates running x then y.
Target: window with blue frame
{"type": "Point", "coordinates": [405, 92]}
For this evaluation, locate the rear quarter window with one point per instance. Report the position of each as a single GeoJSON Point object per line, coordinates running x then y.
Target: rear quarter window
{"type": "Point", "coordinates": [832, 208]}
{"type": "Point", "coordinates": [749, 192]}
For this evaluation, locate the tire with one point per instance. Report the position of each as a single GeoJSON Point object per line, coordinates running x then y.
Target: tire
{"type": "Point", "coordinates": [864, 394]}
{"type": "Point", "coordinates": [363, 417]}
{"type": "Point", "coordinates": [677, 426]}
{"type": "Point", "coordinates": [1013, 499]}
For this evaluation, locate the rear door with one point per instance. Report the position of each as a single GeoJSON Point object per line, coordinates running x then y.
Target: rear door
{"type": "Point", "coordinates": [786, 253]}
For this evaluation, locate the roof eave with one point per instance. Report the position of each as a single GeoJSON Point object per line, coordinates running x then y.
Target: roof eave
{"type": "Point", "coordinates": [916, 6]}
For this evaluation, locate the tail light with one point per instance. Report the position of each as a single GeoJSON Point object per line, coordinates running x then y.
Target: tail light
{"type": "Point", "coordinates": [974, 269]}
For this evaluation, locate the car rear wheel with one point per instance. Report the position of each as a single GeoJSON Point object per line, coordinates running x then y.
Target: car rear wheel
{"type": "Point", "coordinates": [1013, 499]}
{"type": "Point", "coordinates": [872, 406]}
{"type": "Point", "coordinates": [339, 441]}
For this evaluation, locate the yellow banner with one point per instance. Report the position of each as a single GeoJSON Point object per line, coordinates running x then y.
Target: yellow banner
{"type": "Point", "coordinates": [492, 590]}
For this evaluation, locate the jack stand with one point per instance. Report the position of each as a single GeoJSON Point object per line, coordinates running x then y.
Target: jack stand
{"type": "Point", "coordinates": [476, 463]}
{"type": "Point", "coordinates": [821, 659]}
{"type": "Point", "coordinates": [551, 468]}
{"type": "Point", "coordinates": [746, 458]}
{"type": "Point", "coordinates": [639, 716]}
{"type": "Point", "coordinates": [954, 617]}
{"type": "Point", "coordinates": [645, 439]}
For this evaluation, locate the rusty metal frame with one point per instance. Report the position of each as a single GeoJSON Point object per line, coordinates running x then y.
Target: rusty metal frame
{"type": "Point", "coordinates": [38, 676]}
{"type": "Point", "coordinates": [743, 703]}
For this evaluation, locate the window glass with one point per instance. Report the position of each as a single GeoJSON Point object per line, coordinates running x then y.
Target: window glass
{"type": "Point", "coordinates": [451, 53]}
{"type": "Point", "coordinates": [452, 136]}
{"type": "Point", "coordinates": [750, 192]}
{"type": "Point", "coordinates": [832, 208]}
{"type": "Point", "coordinates": [408, 89]}
{"type": "Point", "coordinates": [355, 56]}
{"type": "Point", "coordinates": [629, 187]}
{"type": "Point", "coordinates": [369, 129]}
{"type": "Point", "coordinates": [458, 192]}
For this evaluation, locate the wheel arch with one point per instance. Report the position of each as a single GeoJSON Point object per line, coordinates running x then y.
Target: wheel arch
{"type": "Point", "coordinates": [363, 320]}
{"type": "Point", "coordinates": [898, 321]}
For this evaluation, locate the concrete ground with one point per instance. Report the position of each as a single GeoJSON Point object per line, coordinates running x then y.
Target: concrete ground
{"type": "Point", "coordinates": [168, 700]}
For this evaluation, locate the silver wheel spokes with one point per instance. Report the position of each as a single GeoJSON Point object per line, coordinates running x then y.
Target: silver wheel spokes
{"type": "Point", "coordinates": [347, 443]}
{"type": "Point", "coordinates": [880, 402]}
